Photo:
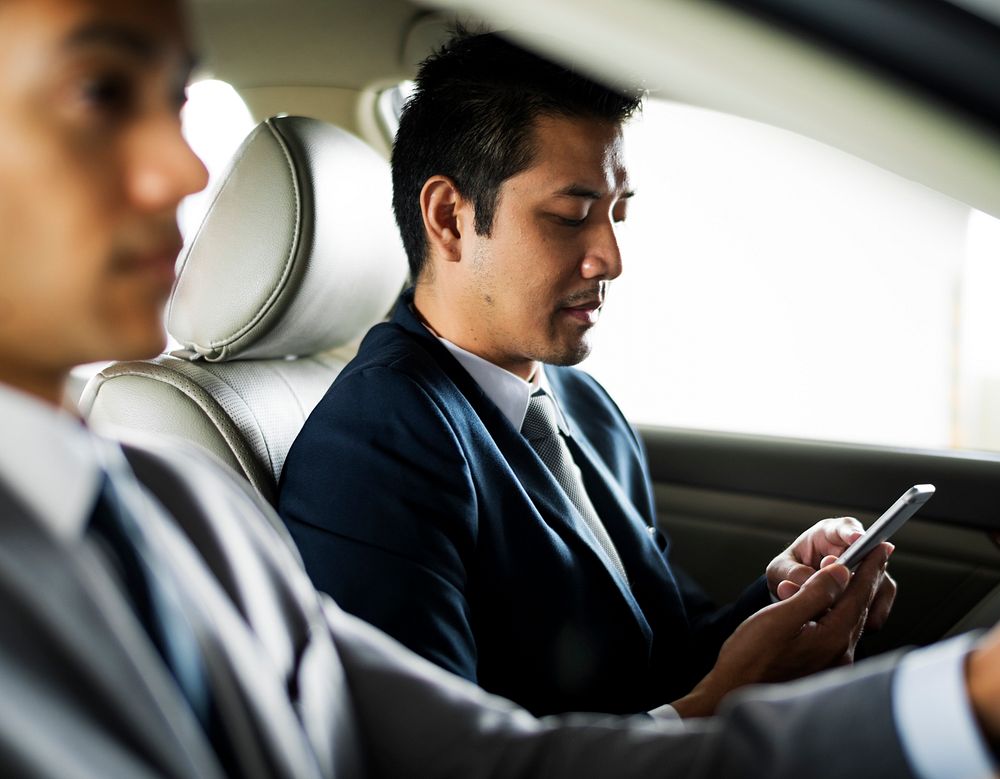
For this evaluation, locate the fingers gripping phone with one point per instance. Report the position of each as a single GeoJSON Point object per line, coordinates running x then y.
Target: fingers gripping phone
{"type": "Point", "coordinates": [891, 521]}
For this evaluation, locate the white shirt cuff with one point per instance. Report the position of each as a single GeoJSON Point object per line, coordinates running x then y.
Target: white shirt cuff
{"type": "Point", "coordinates": [933, 715]}
{"type": "Point", "coordinates": [666, 711]}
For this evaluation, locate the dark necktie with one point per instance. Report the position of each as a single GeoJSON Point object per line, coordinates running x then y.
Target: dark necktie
{"type": "Point", "coordinates": [541, 428]}
{"type": "Point", "coordinates": [150, 588]}
{"type": "Point", "coordinates": [153, 591]}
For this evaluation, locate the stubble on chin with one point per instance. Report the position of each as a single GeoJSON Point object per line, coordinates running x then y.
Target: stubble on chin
{"type": "Point", "coordinates": [567, 353]}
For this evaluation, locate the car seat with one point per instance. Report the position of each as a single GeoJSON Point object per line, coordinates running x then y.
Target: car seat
{"type": "Point", "coordinates": [297, 256]}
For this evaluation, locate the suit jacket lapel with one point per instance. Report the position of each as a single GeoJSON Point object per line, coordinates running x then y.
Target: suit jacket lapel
{"type": "Point", "coordinates": [634, 539]}
{"type": "Point", "coordinates": [267, 737]}
{"type": "Point", "coordinates": [248, 678]}
{"type": "Point", "coordinates": [538, 482]}
{"type": "Point", "coordinates": [81, 619]}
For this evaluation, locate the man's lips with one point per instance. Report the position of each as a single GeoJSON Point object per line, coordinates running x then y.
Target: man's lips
{"type": "Point", "coordinates": [588, 312]}
{"type": "Point", "coordinates": [159, 263]}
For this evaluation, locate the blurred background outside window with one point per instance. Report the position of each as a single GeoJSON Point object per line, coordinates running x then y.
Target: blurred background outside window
{"type": "Point", "coordinates": [775, 285]}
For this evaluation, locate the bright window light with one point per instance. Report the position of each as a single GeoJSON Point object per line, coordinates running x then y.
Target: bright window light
{"type": "Point", "coordinates": [215, 121]}
{"type": "Point", "coordinates": [389, 107]}
{"type": "Point", "coordinates": [778, 286]}
{"type": "Point", "coordinates": [775, 285]}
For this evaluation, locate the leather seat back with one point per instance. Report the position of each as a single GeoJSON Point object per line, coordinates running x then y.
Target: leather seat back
{"type": "Point", "coordinates": [296, 258]}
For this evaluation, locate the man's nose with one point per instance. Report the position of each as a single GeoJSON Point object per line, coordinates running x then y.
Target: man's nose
{"type": "Point", "coordinates": [163, 169]}
{"type": "Point", "coordinates": [603, 259]}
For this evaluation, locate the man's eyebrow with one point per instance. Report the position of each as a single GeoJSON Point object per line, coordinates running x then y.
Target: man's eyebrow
{"type": "Point", "coordinates": [577, 190]}
{"type": "Point", "coordinates": [123, 38]}
{"type": "Point", "coordinates": [114, 35]}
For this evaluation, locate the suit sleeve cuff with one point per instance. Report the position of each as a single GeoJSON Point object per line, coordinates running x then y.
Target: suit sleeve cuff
{"type": "Point", "coordinates": [933, 715]}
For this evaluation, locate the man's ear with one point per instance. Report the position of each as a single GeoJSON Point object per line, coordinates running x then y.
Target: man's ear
{"type": "Point", "coordinates": [440, 204]}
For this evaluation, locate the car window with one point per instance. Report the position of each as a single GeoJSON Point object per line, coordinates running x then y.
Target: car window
{"type": "Point", "coordinates": [215, 121]}
{"type": "Point", "coordinates": [776, 285]}
{"type": "Point", "coordinates": [389, 107]}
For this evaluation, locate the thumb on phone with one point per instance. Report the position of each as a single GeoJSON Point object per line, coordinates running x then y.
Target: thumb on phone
{"type": "Point", "coordinates": [816, 596]}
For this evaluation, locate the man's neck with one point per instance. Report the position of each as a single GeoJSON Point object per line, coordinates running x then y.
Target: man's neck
{"type": "Point", "coordinates": [47, 386]}
{"type": "Point", "coordinates": [438, 318]}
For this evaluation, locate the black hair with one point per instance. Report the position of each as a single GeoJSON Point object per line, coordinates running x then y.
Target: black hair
{"type": "Point", "coordinates": [471, 118]}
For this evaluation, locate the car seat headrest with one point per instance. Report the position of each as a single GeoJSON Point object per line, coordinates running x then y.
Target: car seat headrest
{"type": "Point", "coordinates": [298, 253]}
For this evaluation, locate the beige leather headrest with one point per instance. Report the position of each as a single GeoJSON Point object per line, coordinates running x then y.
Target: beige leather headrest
{"type": "Point", "coordinates": [298, 253]}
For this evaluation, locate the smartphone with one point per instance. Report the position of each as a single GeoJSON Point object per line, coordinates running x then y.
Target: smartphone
{"type": "Point", "coordinates": [891, 521]}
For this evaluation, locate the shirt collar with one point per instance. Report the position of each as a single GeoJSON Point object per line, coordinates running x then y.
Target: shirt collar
{"type": "Point", "coordinates": [49, 461]}
{"type": "Point", "coordinates": [509, 392]}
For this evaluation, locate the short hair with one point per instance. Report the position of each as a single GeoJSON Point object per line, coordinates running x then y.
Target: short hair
{"type": "Point", "coordinates": [471, 118]}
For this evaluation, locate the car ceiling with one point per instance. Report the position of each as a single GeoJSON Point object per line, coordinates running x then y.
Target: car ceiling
{"type": "Point", "coordinates": [330, 43]}
{"type": "Point", "coordinates": [711, 54]}
{"type": "Point", "coordinates": [721, 57]}
{"type": "Point", "coordinates": [947, 51]}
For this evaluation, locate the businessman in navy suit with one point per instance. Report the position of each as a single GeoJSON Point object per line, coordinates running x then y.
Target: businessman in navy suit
{"type": "Point", "coordinates": [460, 486]}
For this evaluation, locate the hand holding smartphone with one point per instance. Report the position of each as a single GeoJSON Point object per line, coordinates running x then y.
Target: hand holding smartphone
{"type": "Point", "coordinates": [893, 519]}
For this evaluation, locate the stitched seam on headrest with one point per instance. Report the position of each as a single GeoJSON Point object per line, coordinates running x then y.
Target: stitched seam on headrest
{"type": "Point", "coordinates": [265, 442]}
{"type": "Point", "coordinates": [289, 260]}
{"type": "Point", "coordinates": [187, 254]}
{"type": "Point", "coordinates": [190, 389]}
{"type": "Point", "coordinates": [215, 386]}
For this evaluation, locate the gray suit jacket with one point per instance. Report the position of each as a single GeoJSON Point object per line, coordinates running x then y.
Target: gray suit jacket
{"type": "Point", "coordinates": [308, 691]}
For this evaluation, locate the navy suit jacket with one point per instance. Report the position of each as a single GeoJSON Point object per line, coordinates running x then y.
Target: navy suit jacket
{"type": "Point", "coordinates": [421, 509]}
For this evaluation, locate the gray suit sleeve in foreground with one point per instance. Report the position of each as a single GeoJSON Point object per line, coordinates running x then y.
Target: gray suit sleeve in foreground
{"type": "Point", "coordinates": [420, 721]}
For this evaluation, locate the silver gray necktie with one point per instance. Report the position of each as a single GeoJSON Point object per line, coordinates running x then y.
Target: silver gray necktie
{"type": "Point", "coordinates": [541, 429]}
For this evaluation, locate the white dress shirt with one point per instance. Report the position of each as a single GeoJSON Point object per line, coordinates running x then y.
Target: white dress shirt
{"type": "Point", "coordinates": [55, 465]}
{"type": "Point", "coordinates": [936, 724]}
{"type": "Point", "coordinates": [508, 391]}
{"type": "Point", "coordinates": [49, 461]}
